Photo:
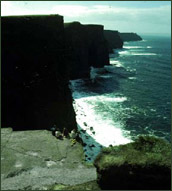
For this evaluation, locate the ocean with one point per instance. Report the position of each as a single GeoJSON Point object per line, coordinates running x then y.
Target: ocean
{"type": "Point", "coordinates": [128, 98]}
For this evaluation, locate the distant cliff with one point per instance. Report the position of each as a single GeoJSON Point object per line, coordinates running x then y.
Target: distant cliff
{"type": "Point", "coordinates": [114, 39]}
{"type": "Point", "coordinates": [88, 46]}
{"type": "Point", "coordinates": [130, 37]}
{"type": "Point", "coordinates": [35, 93]}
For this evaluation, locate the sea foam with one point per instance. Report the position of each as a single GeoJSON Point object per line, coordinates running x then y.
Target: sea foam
{"type": "Point", "coordinates": [132, 47]}
{"type": "Point", "coordinates": [144, 54]}
{"type": "Point", "coordinates": [116, 63]}
{"type": "Point", "coordinates": [107, 132]}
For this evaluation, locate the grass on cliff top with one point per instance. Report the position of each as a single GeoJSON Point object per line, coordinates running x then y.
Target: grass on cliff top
{"type": "Point", "coordinates": [144, 151]}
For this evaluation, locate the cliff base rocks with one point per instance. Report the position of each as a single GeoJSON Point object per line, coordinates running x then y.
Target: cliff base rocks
{"type": "Point", "coordinates": [142, 165]}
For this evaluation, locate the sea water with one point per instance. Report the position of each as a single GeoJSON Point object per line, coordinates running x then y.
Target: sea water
{"type": "Point", "coordinates": [128, 98]}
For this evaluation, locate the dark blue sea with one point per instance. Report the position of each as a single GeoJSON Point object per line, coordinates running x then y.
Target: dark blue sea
{"type": "Point", "coordinates": [130, 97]}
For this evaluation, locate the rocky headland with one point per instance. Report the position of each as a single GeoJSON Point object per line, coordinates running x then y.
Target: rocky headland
{"type": "Point", "coordinates": [130, 37]}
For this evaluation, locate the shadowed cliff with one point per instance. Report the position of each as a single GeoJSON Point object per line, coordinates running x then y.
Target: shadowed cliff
{"type": "Point", "coordinates": [114, 40]}
{"type": "Point", "coordinates": [89, 48]}
{"type": "Point", "coordinates": [39, 57]}
{"type": "Point", "coordinates": [35, 93]}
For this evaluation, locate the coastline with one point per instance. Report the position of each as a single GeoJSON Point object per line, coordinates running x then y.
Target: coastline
{"type": "Point", "coordinates": [37, 160]}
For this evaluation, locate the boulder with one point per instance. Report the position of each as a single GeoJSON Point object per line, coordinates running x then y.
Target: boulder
{"type": "Point", "coordinates": [144, 164]}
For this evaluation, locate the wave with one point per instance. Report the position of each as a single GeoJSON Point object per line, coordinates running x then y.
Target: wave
{"type": "Point", "coordinates": [143, 54]}
{"type": "Point", "coordinates": [116, 63]}
{"type": "Point", "coordinates": [132, 47]}
{"type": "Point", "coordinates": [143, 40]}
{"type": "Point", "coordinates": [124, 53]}
{"type": "Point", "coordinates": [98, 129]}
{"type": "Point", "coordinates": [135, 53]}
{"type": "Point", "coordinates": [136, 47]}
{"type": "Point", "coordinates": [115, 99]}
{"type": "Point", "coordinates": [105, 76]}
{"type": "Point", "coordinates": [132, 78]}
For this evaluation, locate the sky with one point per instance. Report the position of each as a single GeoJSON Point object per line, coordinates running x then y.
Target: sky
{"type": "Point", "coordinates": [124, 16]}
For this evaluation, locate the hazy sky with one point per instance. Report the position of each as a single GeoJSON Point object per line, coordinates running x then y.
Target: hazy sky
{"type": "Point", "coordinates": [125, 16]}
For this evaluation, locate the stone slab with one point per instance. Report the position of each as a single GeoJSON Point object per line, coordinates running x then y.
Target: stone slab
{"type": "Point", "coordinates": [36, 160]}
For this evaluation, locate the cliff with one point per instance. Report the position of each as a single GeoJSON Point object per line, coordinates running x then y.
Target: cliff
{"type": "Point", "coordinates": [144, 164]}
{"type": "Point", "coordinates": [130, 37]}
{"type": "Point", "coordinates": [88, 47]}
{"type": "Point", "coordinates": [35, 93]}
{"type": "Point", "coordinates": [114, 40]}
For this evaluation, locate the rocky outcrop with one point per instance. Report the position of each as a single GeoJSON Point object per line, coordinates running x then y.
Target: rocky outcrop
{"type": "Point", "coordinates": [141, 165]}
{"type": "Point", "coordinates": [88, 47]}
{"type": "Point", "coordinates": [130, 37]}
{"type": "Point", "coordinates": [114, 40]}
{"type": "Point", "coordinates": [35, 93]}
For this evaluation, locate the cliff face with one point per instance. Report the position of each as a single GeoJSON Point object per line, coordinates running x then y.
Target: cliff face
{"type": "Point", "coordinates": [35, 93]}
{"type": "Point", "coordinates": [114, 39]}
{"type": "Point", "coordinates": [89, 48]}
{"type": "Point", "coordinates": [130, 36]}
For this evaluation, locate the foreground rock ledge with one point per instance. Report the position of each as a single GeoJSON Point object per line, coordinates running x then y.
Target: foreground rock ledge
{"type": "Point", "coordinates": [36, 160]}
{"type": "Point", "coordinates": [143, 164]}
